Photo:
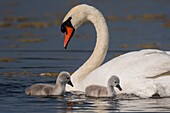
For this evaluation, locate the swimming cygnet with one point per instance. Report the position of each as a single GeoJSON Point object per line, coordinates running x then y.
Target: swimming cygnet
{"type": "Point", "coordinates": [48, 89]}
{"type": "Point", "coordinates": [101, 91]}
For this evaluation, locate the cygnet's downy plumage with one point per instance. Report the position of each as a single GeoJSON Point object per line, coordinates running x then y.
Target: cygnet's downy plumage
{"type": "Point", "coordinates": [48, 89]}
{"type": "Point", "coordinates": [101, 91]}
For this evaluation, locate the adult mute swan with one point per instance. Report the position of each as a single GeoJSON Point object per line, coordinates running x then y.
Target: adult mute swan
{"type": "Point", "coordinates": [143, 73]}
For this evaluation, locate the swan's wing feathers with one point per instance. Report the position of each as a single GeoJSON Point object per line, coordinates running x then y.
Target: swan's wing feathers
{"type": "Point", "coordinates": [157, 64]}
{"type": "Point", "coordinates": [144, 63]}
{"type": "Point", "coordinates": [147, 63]}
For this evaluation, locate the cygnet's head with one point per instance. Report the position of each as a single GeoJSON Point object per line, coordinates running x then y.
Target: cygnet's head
{"type": "Point", "coordinates": [114, 82]}
{"type": "Point", "coordinates": [64, 77]}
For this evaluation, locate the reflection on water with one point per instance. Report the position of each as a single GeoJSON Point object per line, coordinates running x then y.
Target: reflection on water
{"type": "Point", "coordinates": [31, 43]}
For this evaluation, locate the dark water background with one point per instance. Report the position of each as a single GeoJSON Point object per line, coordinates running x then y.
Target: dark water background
{"type": "Point", "coordinates": [31, 43]}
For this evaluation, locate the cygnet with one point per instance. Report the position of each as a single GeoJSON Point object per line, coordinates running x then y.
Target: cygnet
{"type": "Point", "coordinates": [101, 91]}
{"type": "Point", "coordinates": [48, 89]}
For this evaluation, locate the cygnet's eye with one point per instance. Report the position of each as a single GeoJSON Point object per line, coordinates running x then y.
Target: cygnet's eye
{"type": "Point", "coordinates": [67, 78]}
{"type": "Point", "coordinates": [115, 82]}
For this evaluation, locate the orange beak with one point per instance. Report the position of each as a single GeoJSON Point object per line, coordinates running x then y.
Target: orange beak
{"type": "Point", "coordinates": [68, 34]}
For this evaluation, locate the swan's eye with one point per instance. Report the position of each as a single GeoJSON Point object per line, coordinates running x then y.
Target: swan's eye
{"type": "Point", "coordinates": [63, 28]}
{"type": "Point", "coordinates": [69, 18]}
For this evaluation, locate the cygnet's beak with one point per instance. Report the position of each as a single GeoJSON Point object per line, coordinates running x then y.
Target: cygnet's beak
{"type": "Point", "coordinates": [118, 86]}
{"type": "Point", "coordinates": [70, 83]}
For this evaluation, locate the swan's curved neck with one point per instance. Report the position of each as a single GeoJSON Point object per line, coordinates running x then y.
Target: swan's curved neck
{"type": "Point", "coordinates": [101, 47]}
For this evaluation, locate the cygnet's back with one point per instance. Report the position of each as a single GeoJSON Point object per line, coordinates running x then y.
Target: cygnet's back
{"type": "Point", "coordinates": [48, 89]}
{"type": "Point", "coordinates": [101, 91]}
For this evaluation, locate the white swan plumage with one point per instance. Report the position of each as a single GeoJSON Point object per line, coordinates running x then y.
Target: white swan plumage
{"type": "Point", "coordinates": [142, 73]}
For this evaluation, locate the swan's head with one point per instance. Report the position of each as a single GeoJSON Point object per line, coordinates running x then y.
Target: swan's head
{"type": "Point", "coordinates": [74, 18]}
{"type": "Point", "coordinates": [64, 77]}
{"type": "Point", "coordinates": [114, 82]}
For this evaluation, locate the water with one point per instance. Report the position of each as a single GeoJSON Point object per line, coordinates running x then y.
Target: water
{"type": "Point", "coordinates": [130, 29]}
{"type": "Point", "coordinates": [13, 99]}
